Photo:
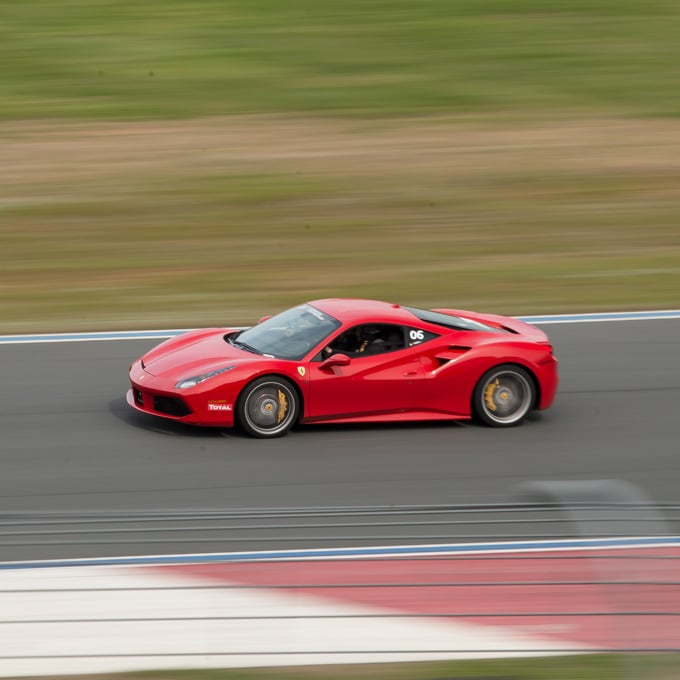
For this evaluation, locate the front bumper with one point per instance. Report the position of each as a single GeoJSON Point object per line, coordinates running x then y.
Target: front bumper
{"type": "Point", "coordinates": [159, 404]}
{"type": "Point", "coordinates": [155, 396]}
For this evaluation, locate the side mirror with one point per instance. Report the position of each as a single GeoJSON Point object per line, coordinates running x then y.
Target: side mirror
{"type": "Point", "coordinates": [264, 318]}
{"type": "Point", "coordinates": [335, 360]}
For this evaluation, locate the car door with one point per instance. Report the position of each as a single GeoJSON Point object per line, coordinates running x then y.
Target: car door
{"type": "Point", "coordinates": [382, 377]}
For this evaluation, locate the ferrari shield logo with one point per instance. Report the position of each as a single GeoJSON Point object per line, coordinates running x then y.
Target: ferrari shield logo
{"type": "Point", "coordinates": [301, 371]}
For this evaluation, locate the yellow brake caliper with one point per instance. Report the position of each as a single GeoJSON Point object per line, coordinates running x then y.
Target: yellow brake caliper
{"type": "Point", "coordinates": [488, 394]}
{"type": "Point", "coordinates": [283, 406]}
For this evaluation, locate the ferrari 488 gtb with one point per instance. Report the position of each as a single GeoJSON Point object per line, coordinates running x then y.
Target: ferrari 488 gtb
{"type": "Point", "coordinates": [349, 361]}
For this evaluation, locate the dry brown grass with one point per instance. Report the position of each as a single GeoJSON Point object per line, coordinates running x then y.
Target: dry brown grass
{"type": "Point", "coordinates": [222, 220]}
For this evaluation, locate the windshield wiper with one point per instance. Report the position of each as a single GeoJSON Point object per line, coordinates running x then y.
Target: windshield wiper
{"type": "Point", "coordinates": [245, 346]}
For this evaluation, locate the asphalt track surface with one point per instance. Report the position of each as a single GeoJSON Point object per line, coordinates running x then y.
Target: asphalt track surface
{"type": "Point", "coordinates": [69, 443]}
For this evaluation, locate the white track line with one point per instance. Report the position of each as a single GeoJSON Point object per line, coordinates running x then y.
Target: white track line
{"type": "Point", "coordinates": [31, 339]}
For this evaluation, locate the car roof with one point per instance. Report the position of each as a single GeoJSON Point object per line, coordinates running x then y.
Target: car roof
{"type": "Point", "coordinates": [358, 310]}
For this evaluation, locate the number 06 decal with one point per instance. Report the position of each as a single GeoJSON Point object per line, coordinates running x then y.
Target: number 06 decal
{"type": "Point", "coordinates": [416, 335]}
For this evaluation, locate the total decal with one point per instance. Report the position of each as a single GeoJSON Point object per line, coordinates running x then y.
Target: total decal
{"type": "Point", "coordinates": [219, 405]}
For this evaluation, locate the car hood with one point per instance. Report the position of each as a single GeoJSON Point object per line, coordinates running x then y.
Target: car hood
{"type": "Point", "coordinates": [195, 353]}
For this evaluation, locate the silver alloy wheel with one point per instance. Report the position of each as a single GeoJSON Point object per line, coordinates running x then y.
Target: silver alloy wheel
{"type": "Point", "coordinates": [268, 407]}
{"type": "Point", "coordinates": [504, 396]}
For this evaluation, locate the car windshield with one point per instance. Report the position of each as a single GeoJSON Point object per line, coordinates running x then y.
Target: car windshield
{"type": "Point", "coordinates": [290, 334]}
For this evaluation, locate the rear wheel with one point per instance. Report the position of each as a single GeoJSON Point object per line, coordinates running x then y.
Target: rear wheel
{"type": "Point", "coordinates": [268, 407]}
{"type": "Point", "coordinates": [503, 396]}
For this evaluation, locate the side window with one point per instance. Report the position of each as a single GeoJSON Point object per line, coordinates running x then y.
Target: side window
{"type": "Point", "coordinates": [416, 336]}
{"type": "Point", "coordinates": [368, 339]}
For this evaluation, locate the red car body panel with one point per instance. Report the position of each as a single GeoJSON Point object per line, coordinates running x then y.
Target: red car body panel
{"type": "Point", "coordinates": [432, 380]}
{"type": "Point", "coordinates": [369, 388]}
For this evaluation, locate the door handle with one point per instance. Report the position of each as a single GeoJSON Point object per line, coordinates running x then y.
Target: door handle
{"type": "Point", "coordinates": [408, 373]}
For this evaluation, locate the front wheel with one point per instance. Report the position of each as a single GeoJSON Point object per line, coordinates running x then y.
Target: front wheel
{"type": "Point", "coordinates": [268, 407]}
{"type": "Point", "coordinates": [503, 396]}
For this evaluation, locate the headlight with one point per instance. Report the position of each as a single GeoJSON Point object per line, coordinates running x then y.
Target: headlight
{"type": "Point", "coordinates": [197, 379]}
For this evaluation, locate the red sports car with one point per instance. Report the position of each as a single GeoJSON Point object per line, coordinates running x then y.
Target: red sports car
{"type": "Point", "coordinates": [349, 361]}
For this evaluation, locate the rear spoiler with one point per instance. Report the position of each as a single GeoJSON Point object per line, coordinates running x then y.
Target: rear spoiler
{"type": "Point", "coordinates": [506, 323]}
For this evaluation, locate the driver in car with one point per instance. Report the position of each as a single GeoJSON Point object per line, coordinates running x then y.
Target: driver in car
{"type": "Point", "coordinates": [358, 341]}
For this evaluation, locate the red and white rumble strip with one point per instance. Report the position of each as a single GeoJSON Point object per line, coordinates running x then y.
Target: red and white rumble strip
{"type": "Point", "coordinates": [90, 618]}
{"type": "Point", "coordinates": [111, 619]}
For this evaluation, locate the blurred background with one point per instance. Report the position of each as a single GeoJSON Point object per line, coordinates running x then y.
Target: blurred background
{"type": "Point", "coordinates": [191, 162]}
{"type": "Point", "coordinates": [202, 162]}
{"type": "Point", "coordinates": [180, 163]}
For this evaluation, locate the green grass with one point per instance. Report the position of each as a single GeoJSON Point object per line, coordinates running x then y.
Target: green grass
{"type": "Point", "coordinates": [186, 162]}
{"type": "Point", "coordinates": [122, 59]}
{"type": "Point", "coordinates": [586, 667]}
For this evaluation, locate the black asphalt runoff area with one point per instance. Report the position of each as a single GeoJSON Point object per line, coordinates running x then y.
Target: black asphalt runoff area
{"type": "Point", "coordinates": [70, 444]}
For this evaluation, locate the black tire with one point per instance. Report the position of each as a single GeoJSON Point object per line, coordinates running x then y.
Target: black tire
{"type": "Point", "coordinates": [503, 396]}
{"type": "Point", "coordinates": [268, 407]}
